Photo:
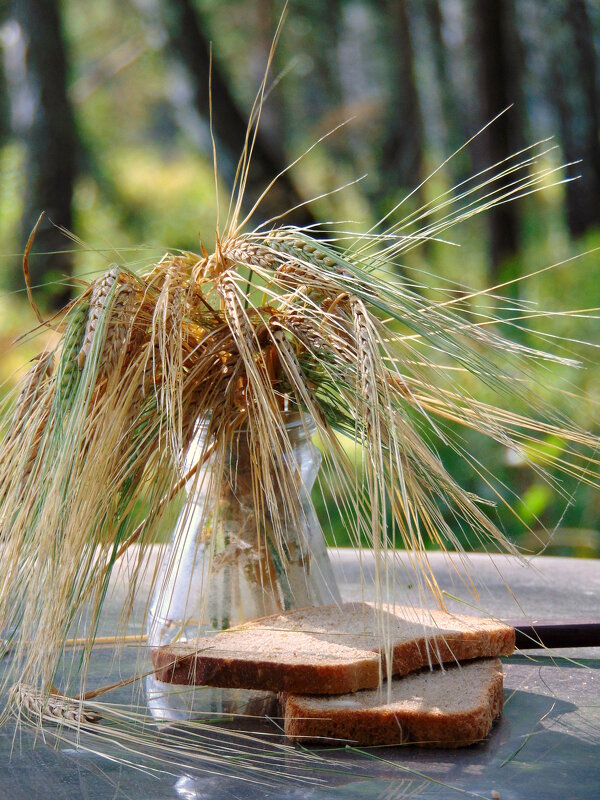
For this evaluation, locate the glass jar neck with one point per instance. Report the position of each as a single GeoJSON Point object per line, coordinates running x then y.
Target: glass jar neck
{"type": "Point", "coordinates": [299, 428]}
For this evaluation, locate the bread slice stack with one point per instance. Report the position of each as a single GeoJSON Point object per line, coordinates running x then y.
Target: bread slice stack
{"type": "Point", "coordinates": [446, 708]}
{"type": "Point", "coordinates": [324, 660]}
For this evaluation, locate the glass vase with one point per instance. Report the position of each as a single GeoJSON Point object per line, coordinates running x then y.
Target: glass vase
{"type": "Point", "coordinates": [230, 562]}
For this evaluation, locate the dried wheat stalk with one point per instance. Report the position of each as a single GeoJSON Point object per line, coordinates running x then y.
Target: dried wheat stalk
{"type": "Point", "coordinates": [98, 300]}
{"type": "Point", "coordinates": [119, 329]}
{"type": "Point", "coordinates": [53, 707]}
{"type": "Point", "coordinates": [31, 390]}
{"type": "Point", "coordinates": [271, 322]}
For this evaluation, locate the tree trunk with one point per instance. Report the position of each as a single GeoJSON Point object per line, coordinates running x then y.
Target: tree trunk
{"type": "Point", "coordinates": [575, 81]}
{"type": "Point", "coordinates": [4, 104]}
{"type": "Point", "coordinates": [498, 64]}
{"type": "Point", "coordinates": [189, 44]}
{"type": "Point", "coordinates": [401, 153]}
{"type": "Point", "coordinates": [266, 17]}
{"type": "Point", "coordinates": [51, 147]}
{"type": "Point", "coordinates": [453, 120]}
{"type": "Point", "coordinates": [321, 88]}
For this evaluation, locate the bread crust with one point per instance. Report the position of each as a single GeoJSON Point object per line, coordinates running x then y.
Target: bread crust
{"type": "Point", "coordinates": [334, 669]}
{"type": "Point", "coordinates": [311, 719]}
{"type": "Point", "coordinates": [201, 669]}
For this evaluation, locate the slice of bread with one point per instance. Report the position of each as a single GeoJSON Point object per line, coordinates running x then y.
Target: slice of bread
{"type": "Point", "coordinates": [331, 649]}
{"type": "Point", "coordinates": [453, 707]}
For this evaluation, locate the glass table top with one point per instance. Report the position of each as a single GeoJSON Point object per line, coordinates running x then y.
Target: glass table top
{"type": "Point", "coordinates": [546, 745]}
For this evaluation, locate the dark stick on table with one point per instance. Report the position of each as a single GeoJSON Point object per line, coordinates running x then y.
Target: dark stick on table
{"type": "Point", "coordinates": [537, 634]}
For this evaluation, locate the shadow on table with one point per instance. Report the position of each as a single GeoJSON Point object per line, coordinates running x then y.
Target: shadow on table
{"type": "Point", "coordinates": [529, 754]}
{"type": "Point", "coordinates": [537, 750]}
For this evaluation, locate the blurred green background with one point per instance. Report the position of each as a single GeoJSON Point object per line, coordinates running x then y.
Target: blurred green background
{"type": "Point", "coordinates": [104, 124]}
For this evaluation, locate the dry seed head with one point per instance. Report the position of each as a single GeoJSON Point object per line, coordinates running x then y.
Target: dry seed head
{"type": "Point", "coordinates": [298, 274]}
{"type": "Point", "coordinates": [118, 328]}
{"type": "Point", "coordinates": [100, 292]}
{"type": "Point", "coordinates": [56, 707]}
{"type": "Point", "coordinates": [174, 287]}
{"type": "Point", "coordinates": [253, 254]}
{"type": "Point", "coordinates": [238, 251]}
{"type": "Point", "coordinates": [234, 314]}
{"type": "Point", "coordinates": [34, 448]}
{"type": "Point", "coordinates": [32, 384]}
{"type": "Point", "coordinates": [364, 346]}
{"type": "Point", "coordinates": [304, 330]}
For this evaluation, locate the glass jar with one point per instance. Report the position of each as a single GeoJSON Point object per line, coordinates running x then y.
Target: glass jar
{"type": "Point", "coordinates": [230, 562]}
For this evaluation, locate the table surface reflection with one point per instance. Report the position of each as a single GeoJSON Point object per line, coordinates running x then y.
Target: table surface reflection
{"type": "Point", "coordinates": [546, 745]}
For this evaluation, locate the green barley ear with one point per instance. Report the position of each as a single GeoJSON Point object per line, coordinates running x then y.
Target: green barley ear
{"type": "Point", "coordinates": [68, 371]}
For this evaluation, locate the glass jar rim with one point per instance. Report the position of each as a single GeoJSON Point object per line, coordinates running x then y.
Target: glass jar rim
{"type": "Point", "coordinates": [293, 421]}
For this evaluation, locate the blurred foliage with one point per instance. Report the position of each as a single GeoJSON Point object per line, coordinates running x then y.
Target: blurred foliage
{"type": "Point", "coordinates": [145, 176]}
